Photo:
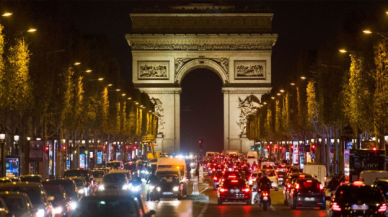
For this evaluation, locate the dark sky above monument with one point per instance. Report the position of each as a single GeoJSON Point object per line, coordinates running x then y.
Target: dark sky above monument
{"type": "Point", "coordinates": [300, 25]}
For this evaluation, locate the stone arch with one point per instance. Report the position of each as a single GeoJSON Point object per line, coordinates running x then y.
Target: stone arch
{"type": "Point", "coordinates": [201, 64]}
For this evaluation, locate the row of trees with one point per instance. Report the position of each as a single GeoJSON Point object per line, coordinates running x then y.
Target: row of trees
{"type": "Point", "coordinates": [58, 83]}
{"type": "Point", "coordinates": [330, 96]}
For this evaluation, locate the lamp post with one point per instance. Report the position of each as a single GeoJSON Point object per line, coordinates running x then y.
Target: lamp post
{"type": "Point", "coordinates": [2, 140]}
{"type": "Point", "coordinates": [16, 139]}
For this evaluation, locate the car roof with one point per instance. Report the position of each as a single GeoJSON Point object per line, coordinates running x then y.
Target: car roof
{"type": "Point", "coordinates": [24, 184]}
{"type": "Point", "coordinates": [30, 175]}
{"type": "Point", "coordinates": [382, 179]}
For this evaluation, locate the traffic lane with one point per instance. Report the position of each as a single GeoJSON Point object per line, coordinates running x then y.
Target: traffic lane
{"type": "Point", "coordinates": [167, 207]}
{"type": "Point", "coordinates": [241, 209]}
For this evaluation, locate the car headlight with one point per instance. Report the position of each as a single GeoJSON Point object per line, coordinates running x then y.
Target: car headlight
{"type": "Point", "coordinates": [73, 205]}
{"type": "Point", "coordinates": [158, 188]}
{"type": "Point", "coordinates": [135, 188]}
{"type": "Point", "coordinates": [40, 213]}
{"type": "Point", "coordinates": [81, 191]}
{"type": "Point", "coordinates": [101, 188]}
{"type": "Point", "coordinates": [151, 187]}
{"type": "Point", "coordinates": [58, 210]}
{"type": "Point", "coordinates": [176, 188]}
{"type": "Point", "coordinates": [125, 187]}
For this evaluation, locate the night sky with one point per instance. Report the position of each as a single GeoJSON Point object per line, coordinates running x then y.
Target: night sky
{"type": "Point", "coordinates": [300, 25]}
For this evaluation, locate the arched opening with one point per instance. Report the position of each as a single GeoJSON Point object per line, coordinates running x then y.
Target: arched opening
{"type": "Point", "coordinates": [202, 111]}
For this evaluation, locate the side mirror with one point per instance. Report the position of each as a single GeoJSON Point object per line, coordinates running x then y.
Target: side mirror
{"type": "Point", "coordinates": [50, 198]}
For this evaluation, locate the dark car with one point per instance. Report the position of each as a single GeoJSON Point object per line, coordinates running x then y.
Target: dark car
{"type": "Point", "coordinates": [382, 183]}
{"type": "Point", "coordinates": [31, 178]}
{"type": "Point", "coordinates": [82, 186]}
{"type": "Point", "coordinates": [86, 174]}
{"type": "Point", "coordinates": [114, 181]}
{"type": "Point", "coordinates": [234, 190]}
{"type": "Point", "coordinates": [288, 184]}
{"type": "Point", "coordinates": [60, 203]}
{"type": "Point", "coordinates": [217, 179]}
{"type": "Point", "coordinates": [169, 184]}
{"type": "Point", "coordinates": [68, 184]}
{"type": "Point", "coordinates": [307, 192]}
{"type": "Point", "coordinates": [36, 193]}
{"type": "Point", "coordinates": [357, 199]}
{"type": "Point", "coordinates": [112, 204]}
{"type": "Point", "coordinates": [5, 180]}
{"type": "Point", "coordinates": [15, 204]}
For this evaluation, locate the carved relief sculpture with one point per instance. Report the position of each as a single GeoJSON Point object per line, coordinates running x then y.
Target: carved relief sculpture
{"type": "Point", "coordinates": [254, 69]}
{"type": "Point", "coordinates": [247, 107]}
{"type": "Point", "coordinates": [160, 113]}
{"type": "Point", "coordinates": [153, 69]}
{"type": "Point", "coordinates": [222, 61]}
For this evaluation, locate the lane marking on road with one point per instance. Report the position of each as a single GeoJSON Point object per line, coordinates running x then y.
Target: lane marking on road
{"type": "Point", "coordinates": [204, 190]}
{"type": "Point", "coordinates": [203, 210]}
{"type": "Point", "coordinates": [273, 208]}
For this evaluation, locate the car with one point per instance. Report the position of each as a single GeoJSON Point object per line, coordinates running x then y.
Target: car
{"type": "Point", "coordinates": [68, 185]}
{"type": "Point", "coordinates": [114, 181]}
{"type": "Point", "coordinates": [216, 180]}
{"type": "Point", "coordinates": [31, 178]}
{"type": "Point", "coordinates": [307, 192]}
{"type": "Point", "coordinates": [98, 175]}
{"type": "Point", "coordinates": [35, 192]}
{"type": "Point", "coordinates": [5, 180]}
{"type": "Point", "coordinates": [16, 204]}
{"type": "Point", "coordinates": [84, 173]}
{"type": "Point", "coordinates": [289, 182]}
{"type": "Point", "coordinates": [57, 196]}
{"type": "Point", "coordinates": [234, 190]}
{"type": "Point", "coordinates": [281, 177]}
{"type": "Point", "coordinates": [357, 199]}
{"type": "Point", "coordinates": [382, 183]}
{"type": "Point", "coordinates": [272, 177]}
{"type": "Point", "coordinates": [112, 204]}
{"type": "Point", "coordinates": [82, 186]}
{"type": "Point", "coordinates": [169, 184]}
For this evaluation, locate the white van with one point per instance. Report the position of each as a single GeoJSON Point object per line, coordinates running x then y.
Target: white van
{"type": "Point", "coordinates": [174, 164]}
{"type": "Point", "coordinates": [370, 176]}
{"type": "Point", "coordinates": [118, 165]}
{"type": "Point", "coordinates": [317, 170]}
{"type": "Point", "coordinates": [252, 154]}
{"type": "Point", "coordinates": [210, 154]}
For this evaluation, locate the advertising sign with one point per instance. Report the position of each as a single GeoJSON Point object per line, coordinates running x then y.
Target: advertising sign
{"type": "Point", "coordinates": [287, 155]}
{"type": "Point", "coordinates": [12, 166]}
{"type": "Point", "coordinates": [346, 163]}
{"type": "Point", "coordinates": [118, 155]}
{"type": "Point", "coordinates": [36, 151]}
{"type": "Point", "coordinates": [99, 157]}
{"type": "Point", "coordinates": [295, 153]}
{"type": "Point", "coordinates": [82, 161]}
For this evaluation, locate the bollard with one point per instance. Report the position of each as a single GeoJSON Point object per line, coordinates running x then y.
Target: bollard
{"type": "Point", "coordinates": [195, 186]}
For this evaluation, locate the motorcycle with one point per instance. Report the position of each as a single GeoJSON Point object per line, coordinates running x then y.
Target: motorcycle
{"type": "Point", "coordinates": [265, 200]}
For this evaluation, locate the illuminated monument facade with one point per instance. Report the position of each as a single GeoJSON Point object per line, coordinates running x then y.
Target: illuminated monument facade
{"type": "Point", "coordinates": [235, 43]}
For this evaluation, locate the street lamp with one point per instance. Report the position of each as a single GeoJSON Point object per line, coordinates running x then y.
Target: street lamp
{"type": "Point", "coordinates": [7, 14]}
{"type": "Point", "coordinates": [77, 63]}
{"type": "Point", "coordinates": [292, 84]}
{"type": "Point", "coordinates": [2, 139]}
{"type": "Point", "coordinates": [100, 79]}
{"type": "Point", "coordinates": [129, 98]}
{"type": "Point", "coordinates": [282, 91]}
{"type": "Point", "coordinates": [110, 85]}
{"type": "Point", "coordinates": [88, 71]}
{"type": "Point", "coordinates": [123, 94]}
{"type": "Point", "coordinates": [303, 77]}
{"type": "Point", "coordinates": [16, 138]}
{"type": "Point", "coordinates": [118, 90]}
{"type": "Point", "coordinates": [31, 30]}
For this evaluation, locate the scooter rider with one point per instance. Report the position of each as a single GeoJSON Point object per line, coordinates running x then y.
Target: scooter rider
{"type": "Point", "coordinates": [264, 184]}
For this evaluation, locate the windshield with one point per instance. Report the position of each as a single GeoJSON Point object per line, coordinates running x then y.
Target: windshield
{"type": "Point", "coordinates": [31, 179]}
{"type": "Point", "coordinates": [111, 207]}
{"type": "Point", "coordinates": [66, 184]}
{"type": "Point", "coordinates": [168, 178]}
{"type": "Point", "coordinates": [32, 192]}
{"type": "Point", "coordinates": [78, 182]}
{"type": "Point", "coordinates": [114, 177]}
{"type": "Point", "coordinates": [309, 185]}
{"type": "Point", "coordinates": [55, 192]}
{"type": "Point", "coordinates": [269, 172]}
{"type": "Point", "coordinates": [14, 203]}
{"type": "Point", "coordinates": [98, 174]}
{"type": "Point", "coordinates": [114, 165]}
{"type": "Point", "coordinates": [352, 194]}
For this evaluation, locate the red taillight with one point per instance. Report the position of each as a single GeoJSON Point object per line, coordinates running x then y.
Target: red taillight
{"type": "Point", "coordinates": [215, 178]}
{"type": "Point", "coordinates": [321, 186]}
{"type": "Point", "coordinates": [336, 207]}
{"type": "Point", "coordinates": [383, 208]}
{"type": "Point", "coordinates": [265, 193]}
{"type": "Point", "coordinates": [214, 169]}
{"type": "Point", "coordinates": [234, 181]}
{"type": "Point", "coordinates": [246, 190]}
{"type": "Point", "coordinates": [222, 190]}
{"type": "Point", "coordinates": [289, 185]}
{"type": "Point", "coordinates": [232, 177]}
{"type": "Point", "coordinates": [297, 186]}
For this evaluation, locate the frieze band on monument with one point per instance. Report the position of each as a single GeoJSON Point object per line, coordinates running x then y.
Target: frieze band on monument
{"type": "Point", "coordinates": [267, 45]}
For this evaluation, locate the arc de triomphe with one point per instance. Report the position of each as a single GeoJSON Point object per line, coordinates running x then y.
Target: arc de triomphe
{"type": "Point", "coordinates": [235, 44]}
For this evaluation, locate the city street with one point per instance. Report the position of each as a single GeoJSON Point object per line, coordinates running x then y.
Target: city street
{"type": "Point", "coordinates": [175, 208]}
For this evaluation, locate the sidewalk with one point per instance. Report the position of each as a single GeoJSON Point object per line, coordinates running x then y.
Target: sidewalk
{"type": "Point", "coordinates": [201, 187]}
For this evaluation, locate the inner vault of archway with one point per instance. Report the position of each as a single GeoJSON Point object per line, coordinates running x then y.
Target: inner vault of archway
{"type": "Point", "coordinates": [201, 111]}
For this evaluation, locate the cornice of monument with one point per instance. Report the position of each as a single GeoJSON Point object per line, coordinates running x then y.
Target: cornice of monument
{"type": "Point", "coordinates": [158, 90]}
{"type": "Point", "coordinates": [246, 90]}
{"type": "Point", "coordinates": [201, 41]}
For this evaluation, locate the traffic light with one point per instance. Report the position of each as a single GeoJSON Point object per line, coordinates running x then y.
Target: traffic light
{"type": "Point", "coordinates": [135, 147]}
{"type": "Point", "coordinates": [46, 148]}
{"type": "Point", "coordinates": [259, 148]}
{"type": "Point", "coordinates": [64, 148]}
{"type": "Point", "coordinates": [268, 147]}
{"type": "Point", "coordinates": [103, 147]}
{"type": "Point", "coordinates": [313, 147]}
{"type": "Point", "coordinates": [253, 148]}
{"type": "Point", "coordinates": [374, 149]}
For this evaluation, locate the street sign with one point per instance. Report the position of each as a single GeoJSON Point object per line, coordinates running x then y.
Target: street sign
{"type": "Point", "coordinates": [332, 150]}
{"type": "Point", "coordinates": [312, 156]}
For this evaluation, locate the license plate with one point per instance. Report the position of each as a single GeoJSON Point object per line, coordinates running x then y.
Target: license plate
{"type": "Point", "coordinates": [168, 193]}
{"type": "Point", "coordinates": [280, 178]}
{"type": "Point", "coordinates": [265, 198]}
{"type": "Point", "coordinates": [309, 199]}
{"type": "Point", "coordinates": [360, 207]}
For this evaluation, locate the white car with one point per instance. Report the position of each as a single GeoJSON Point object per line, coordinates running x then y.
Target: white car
{"type": "Point", "coordinates": [272, 177]}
